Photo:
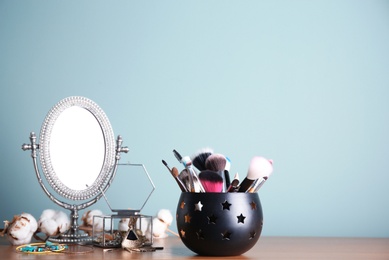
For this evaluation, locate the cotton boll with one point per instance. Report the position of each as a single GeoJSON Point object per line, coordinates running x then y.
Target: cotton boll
{"type": "Point", "coordinates": [49, 227]}
{"type": "Point", "coordinates": [32, 221]}
{"type": "Point", "coordinates": [63, 221]}
{"type": "Point", "coordinates": [98, 224]}
{"type": "Point", "coordinates": [87, 218]}
{"type": "Point", "coordinates": [47, 214]}
{"type": "Point", "coordinates": [123, 224]}
{"type": "Point", "coordinates": [21, 229]}
{"type": "Point", "coordinates": [53, 222]}
{"type": "Point", "coordinates": [166, 216]}
{"type": "Point", "coordinates": [161, 222]}
{"type": "Point", "coordinates": [159, 228]}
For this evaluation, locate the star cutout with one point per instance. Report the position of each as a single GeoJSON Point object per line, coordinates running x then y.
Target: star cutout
{"type": "Point", "coordinates": [182, 232]}
{"type": "Point", "coordinates": [253, 205]}
{"type": "Point", "coordinates": [226, 235]}
{"type": "Point", "coordinates": [200, 234]}
{"type": "Point", "coordinates": [241, 218]}
{"type": "Point", "coordinates": [226, 205]}
{"type": "Point", "coordinates": [252, 234]}
{"type": "Point", "coordinates": [187, 218]}
{"type": "Point", "coordinates": [198, 206]}
{"type": "Point", "coordinates": [212, 219]}
{"type": "Point", "coordinates": [182, 205]}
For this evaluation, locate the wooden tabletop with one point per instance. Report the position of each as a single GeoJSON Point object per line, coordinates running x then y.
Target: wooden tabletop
{"type": "Point", "coordinates": [266, 248]}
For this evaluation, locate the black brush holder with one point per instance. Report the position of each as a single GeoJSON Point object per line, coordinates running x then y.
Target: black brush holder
{"type": "Point", "coordinates": [219, 224]}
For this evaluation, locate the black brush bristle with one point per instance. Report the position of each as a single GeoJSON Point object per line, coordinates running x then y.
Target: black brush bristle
{"type": "Point", "coordinates": [211, 181]}
{"type": "Point", "coordinates": [177, 155]}
{"type": "Point", "coordinates": [199, 159]}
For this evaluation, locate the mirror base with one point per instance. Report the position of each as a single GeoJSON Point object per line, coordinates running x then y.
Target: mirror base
{"type": "Point", "coordinates": [80, 238]}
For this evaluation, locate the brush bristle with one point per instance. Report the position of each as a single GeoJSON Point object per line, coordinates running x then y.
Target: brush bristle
{"type": "Point", "coordinates": [260, 167]}
{"type": "Point", "coordinates": [175, 172]}
{"type": "Point", "coordinates": [184, 177]}
{"type": "Point", "coordinates": [211, 181]}
{"type": "Point", "coordinates": [200, 157]}
{"type": "Point", "coordinates": [216, 162]}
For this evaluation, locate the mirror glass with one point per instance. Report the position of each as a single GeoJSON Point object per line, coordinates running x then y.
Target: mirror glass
{"type": "Point", "coordinates": [77, 136]}
{"type": "Point", "coordinates": [77, 148]}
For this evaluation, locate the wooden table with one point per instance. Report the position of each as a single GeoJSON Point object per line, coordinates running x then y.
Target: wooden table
{"type": "Point", "coordinates": [266, 248]}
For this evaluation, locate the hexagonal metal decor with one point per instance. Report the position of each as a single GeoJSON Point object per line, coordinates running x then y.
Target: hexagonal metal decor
{"type": "Point", "coordinates": [135, 186]}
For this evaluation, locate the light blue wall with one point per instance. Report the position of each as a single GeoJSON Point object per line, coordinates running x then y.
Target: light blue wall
{"type": "Point", "coordinates": [305, 83]}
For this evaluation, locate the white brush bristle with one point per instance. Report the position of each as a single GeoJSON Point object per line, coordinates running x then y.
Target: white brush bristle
{"type": "Point", "coordinates": [202, 151]}
{"type": "Point", "coordinates": [259, 167]}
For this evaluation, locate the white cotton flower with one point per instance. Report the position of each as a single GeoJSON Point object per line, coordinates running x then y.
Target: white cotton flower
{"type": "Point", "coordinates": [63, 221]}
{"type": "Point", "coordinates": [21, 229]}
{"type": "Point", "coordinates": [53, 222]}
{"type": "Point", "coordinates": [159, 224]}
{"type": "Point", "coordinates": [87, 218]}
{"type": "Point", "coordinates": [166, 216]}
{"type": "Point", "coordinates": [47, 214]}
{"type": "Point", "coordinates": [96, 223]}
{"type": "Point", "coordinates": [123, 224]}
{"type": "Point", "coordinates": [49, 227]}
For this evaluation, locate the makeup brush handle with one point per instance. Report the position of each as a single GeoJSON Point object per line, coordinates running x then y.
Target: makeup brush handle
{"type": "Point", "coordinates": [233, 186]}
{"type": "Point", "coordinates": [257, 185]}
{"type": "Point", "coordinates": [194, 179]}
{"type": "Point", "coordinates": [227, 179]}
{"type": "Point", "coordinates": [245, 185]}
{"type": "Point", "coordinates": [181, 185]}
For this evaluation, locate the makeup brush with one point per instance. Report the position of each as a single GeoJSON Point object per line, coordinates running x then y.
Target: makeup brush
{"type": "Point", "coordinates": [234, 184]}
{"type": "Point", "coordinates": [199, 158]}
{"type": "Point", "coordinates": [227, 173]}
{"type": "Point", "coordinates": [259, 167]}
{"type": "Point", "coordinates": [195, 184]}
{"type": "Point", "coordinates": [198, 187]}
{"type": "Point", "coordinates": [174, 172]}
{"type": "Point", "coordinates": [259, 182]}
{"type": "Point", "coordinates": [211, 181]}
{"type": "Point", "coordinates": [184, 178]}
{"type": "Point", "coordinates": [179, 159]}
{"type": "Point", "coordinates": [217, 162]}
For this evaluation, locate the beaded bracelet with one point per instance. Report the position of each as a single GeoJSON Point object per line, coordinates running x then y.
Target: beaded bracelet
{"type": "Point", "coordinates": [41, 248]}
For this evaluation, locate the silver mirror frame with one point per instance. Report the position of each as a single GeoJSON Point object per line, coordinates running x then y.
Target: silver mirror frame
{"type": "Point", "coordinates": [74, 235]}
{"type": "Point", "coordinates": [45, 156]}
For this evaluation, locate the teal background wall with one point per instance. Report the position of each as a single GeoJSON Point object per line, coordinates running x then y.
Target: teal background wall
{"type": "Point", "coordinates": [305, 83]}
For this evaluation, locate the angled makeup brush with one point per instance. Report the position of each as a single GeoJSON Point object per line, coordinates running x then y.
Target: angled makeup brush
{"type": "Point", "coordinates": [259, 167]}
{"type": "Point", "coordinates": [211, 181]}
{"type": "Point", "coordinates": [174, 172]}
{"type": "Point", "coordinates": [198, 159]}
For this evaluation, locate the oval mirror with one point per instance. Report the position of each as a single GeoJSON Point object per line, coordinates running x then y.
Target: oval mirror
{"type": "Point", "coordinates": [77, 148]}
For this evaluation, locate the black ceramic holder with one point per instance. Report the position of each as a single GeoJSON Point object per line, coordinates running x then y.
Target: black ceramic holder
{"type": "Point", "coordinates": [219, 224]}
